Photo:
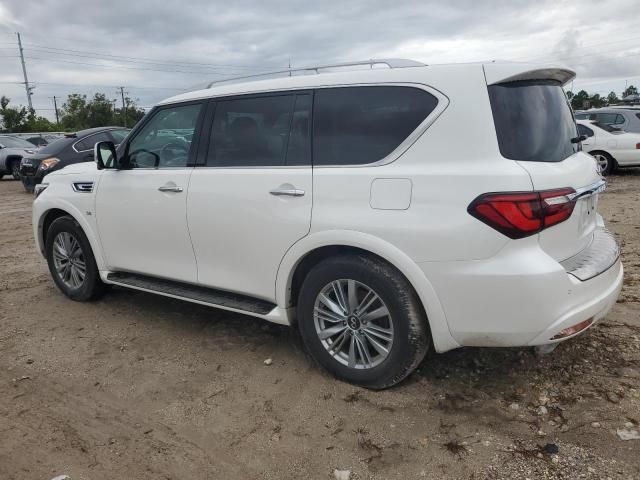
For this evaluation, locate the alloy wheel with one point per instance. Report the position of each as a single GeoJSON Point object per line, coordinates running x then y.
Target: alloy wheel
{"type": "Point", "coordinates": [68, 260]}
{"type": "Point", "coordinates": [603, 162]}
{"type": "Point", "coordinates": [353, 324]}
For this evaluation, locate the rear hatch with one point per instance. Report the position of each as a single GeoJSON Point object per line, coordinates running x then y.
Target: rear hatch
{"type": "Point", "coordinates": [536, 128]}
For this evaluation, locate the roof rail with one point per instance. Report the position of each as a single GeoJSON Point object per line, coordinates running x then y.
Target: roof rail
{"type": "Point", "coordinates": [389, 62]}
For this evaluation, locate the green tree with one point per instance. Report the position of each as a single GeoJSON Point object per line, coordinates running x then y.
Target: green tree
{"type": "Point", "coordinates": [612, 98]}
{"type": "Point", "coordinates": [134, 113]}
{"type": "Point", "coordinates": [100, 111]}
{"type": "Point", "coordinates": [579, 100]}
{"type": "Point", "coordinates": [74, 112]}
{"type": "Point", "coordinates": [630, 90]}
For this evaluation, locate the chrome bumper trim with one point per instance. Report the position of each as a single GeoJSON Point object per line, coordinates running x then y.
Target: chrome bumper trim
{"type": "Point", "coordinates": [598, 257]}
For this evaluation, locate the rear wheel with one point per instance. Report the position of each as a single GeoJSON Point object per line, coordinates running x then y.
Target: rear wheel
{"type": "Point", "coordinates": [361, 320]}
{"type": "Point", "coordinates": [71, 261]}
{"type": "Point", "coordinates": [606, 163]}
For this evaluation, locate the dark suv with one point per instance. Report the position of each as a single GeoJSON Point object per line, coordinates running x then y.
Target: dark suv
{"type": "Point", "coordinates": [73, 148]}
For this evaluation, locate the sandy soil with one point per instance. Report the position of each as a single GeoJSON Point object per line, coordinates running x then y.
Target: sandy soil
{"type": "Point", "coordinates": [138, 386]}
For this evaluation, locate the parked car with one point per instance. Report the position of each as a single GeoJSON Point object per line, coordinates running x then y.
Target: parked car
{"type": "Point", "coordinates": [352, 205]}
{"type": "Point", "coordinates": [622, 118]}
{"type": "Point", "coordinates": [73, 148]}
{"type": "Point", "coordinates": [12, 149]}
{"type": "Point", "coordinates": [612, 148]}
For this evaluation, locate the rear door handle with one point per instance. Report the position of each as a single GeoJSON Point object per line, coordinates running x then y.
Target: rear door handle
{"type": "Point", "coordinates": [170, 188]}
{"type": "Point", "coordinates": [287, 189]}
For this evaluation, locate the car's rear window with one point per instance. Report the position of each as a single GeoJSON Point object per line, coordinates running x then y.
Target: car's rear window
{"type": "Point", "coordinates": [533, 120]}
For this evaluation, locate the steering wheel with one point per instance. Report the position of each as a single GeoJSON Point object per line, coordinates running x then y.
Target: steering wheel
{"type": "Point", "coordinates": [174, 153]}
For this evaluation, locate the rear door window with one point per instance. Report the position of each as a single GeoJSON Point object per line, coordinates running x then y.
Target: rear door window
{"type": "Point", "coordinates": [254, 132]}
{"type": "Point", "coordinates": [87, 143]}
{"type": "Point", "coordinates": [361, 125]}
{"type": "Point", "coordinates": [533, 121]}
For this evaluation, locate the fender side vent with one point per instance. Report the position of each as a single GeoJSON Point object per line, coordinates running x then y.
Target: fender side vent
{"type": "Point", "coordinates": [83, 187]}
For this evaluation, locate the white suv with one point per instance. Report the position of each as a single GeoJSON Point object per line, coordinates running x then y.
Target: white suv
{"type": "Point", "coordinates": [384, 211]}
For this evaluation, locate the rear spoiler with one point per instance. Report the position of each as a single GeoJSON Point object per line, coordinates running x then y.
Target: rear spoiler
{"type": "Point", "coordinates": [515, 72]}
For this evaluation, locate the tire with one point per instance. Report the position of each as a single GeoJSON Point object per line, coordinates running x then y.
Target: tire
{"type": "Point", "coordinates": [406, 322]}
{"type": "Point", "coordinates": [15, 169]}
{"type": "Point", "coordinates": [27, 187]}
{"type": "Point", "coordinates": [66, 232]}
{"type": "Point", "coordinates": [606, 163]}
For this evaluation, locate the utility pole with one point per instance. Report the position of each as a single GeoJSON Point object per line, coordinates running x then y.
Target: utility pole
{"type": "Point", "coordinates": [24, 71]}
{"type": "Point", "coordinates": [124, 107]}
{"type": "Point", "coordinates": [55, 107]}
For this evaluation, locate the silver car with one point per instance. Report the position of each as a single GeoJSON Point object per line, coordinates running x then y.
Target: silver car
{"type": "Point", "coordinates": [622, 118]}
{"type": "Point", "coordinates": [12, 149]}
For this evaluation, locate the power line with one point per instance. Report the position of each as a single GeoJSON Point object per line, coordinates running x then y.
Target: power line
{"type": "Point", "coordinates": [203, 72]}
{"type": "Point", "coordinates": [144, 59]}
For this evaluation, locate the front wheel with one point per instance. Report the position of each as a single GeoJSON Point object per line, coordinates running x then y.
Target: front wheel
{"type": "Point", "coordinates": [15, 169]}
{"type": "Point", "coordinates": [361, 320]}
{"type": "Point", "coordinates": [71, 261]}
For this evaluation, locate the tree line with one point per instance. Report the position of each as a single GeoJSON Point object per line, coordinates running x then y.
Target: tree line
{"type": "Point", "coordinates": [583, 99]}
{"type": "Point", "coordinates": [76, 113]}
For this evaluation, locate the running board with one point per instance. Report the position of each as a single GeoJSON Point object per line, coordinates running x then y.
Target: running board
{"type": "Point", "coordinates": [193, 293]}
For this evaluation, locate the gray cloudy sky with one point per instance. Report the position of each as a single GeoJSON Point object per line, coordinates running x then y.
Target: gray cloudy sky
{"type": "Point", "coordinates": [157, 48]}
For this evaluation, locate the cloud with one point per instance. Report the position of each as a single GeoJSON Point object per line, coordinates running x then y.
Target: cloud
{"type": "Point", "coordinates": [203, 40]}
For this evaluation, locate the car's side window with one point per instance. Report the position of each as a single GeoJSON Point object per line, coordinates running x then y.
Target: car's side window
{"type": "Point", "coordinates": [87, 143]}
{"type": "Point", "coordinates": [254, 131]}
{"type": "Point", "coordinates": [619, 120]}
{"type": "Point", "coordinates": [582, 130]}
{"type": "Point", "coordinates": [361, 125]}
{"type": "Point", "coordinates": [118, 135]}
{"type": "Point", "coordinates": [165, 140]}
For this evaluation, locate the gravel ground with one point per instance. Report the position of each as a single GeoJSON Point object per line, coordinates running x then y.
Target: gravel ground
{"type": "Point", "coordinates": [138, 386]}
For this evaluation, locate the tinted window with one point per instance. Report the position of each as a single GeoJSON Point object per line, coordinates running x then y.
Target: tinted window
{"type": "Point", "coordinates": [582, 130]}
{"type": "Point", "coordinates": [119, 135]}
{"type": "Point", "coordinates": [638, 115]}
{"type": "Point", "coordinates": [251, 132]}
{"type": "Point", "coordinates": [15, 142]}
{"type": "Point", "coordinates": [533, 121]}
{"type": "Point", "coordinates": [359, 125]}
{"type": "Point", "coordinates": [88, 142]}
{"type": "Point", "coordinates": [608, 118]}
{"type": "Point", "coordinates": [582, 116]}
{"type": "Point", "coordinates": [165, 140]}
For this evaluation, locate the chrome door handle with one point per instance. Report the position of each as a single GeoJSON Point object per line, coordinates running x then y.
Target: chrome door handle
{"type": "Point", "coordinates": [287, 190]}
{"type": "Point", "coordinates": [168, 188]}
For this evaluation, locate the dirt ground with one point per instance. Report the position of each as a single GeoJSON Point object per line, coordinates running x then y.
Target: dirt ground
{"type": "Point", "coordinates": [137, 386]}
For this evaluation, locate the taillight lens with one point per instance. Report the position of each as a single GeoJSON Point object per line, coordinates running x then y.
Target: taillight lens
{"type": "Point", "coordinates": [637, 146]}
{"type": "Point", "coordinates": [521, 214]}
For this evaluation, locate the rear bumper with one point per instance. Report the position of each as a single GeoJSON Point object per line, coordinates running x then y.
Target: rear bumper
{"type": "Point", "coordinates": [524, 297]}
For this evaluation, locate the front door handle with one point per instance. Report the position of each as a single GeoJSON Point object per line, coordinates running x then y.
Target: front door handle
{"type": "Point", "coordinates": [287, 189]}
{"type": "Point", "coordinates": [170, 188]}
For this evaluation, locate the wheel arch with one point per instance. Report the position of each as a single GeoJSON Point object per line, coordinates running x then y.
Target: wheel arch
{"type": "Point", "coordinates": [9, 160]}
{"type": "Point", "coordinates": [600, 150]}
{"type": "Point", "coordinates": [307, 252]}
{"type": "Point", "coordinates": [45, 216]}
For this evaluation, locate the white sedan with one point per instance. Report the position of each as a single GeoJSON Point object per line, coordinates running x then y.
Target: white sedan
{"type": "Point", "coordinates": [612, 148]}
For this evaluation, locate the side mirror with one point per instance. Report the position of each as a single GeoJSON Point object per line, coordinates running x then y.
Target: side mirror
{"type": "Point", "coordinates": [104, 153]}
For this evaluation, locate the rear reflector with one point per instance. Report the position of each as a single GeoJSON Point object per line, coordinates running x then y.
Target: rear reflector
{"type": "Point", "coordinates": [521, 214]}
{"type": "Point", "coordinates": [567, 332]}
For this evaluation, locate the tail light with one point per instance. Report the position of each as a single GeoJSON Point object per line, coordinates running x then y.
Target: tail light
{"type": "Point", "coordinates": [521, 214]}
{"type": "Point", "coordinates": [637, 146]}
